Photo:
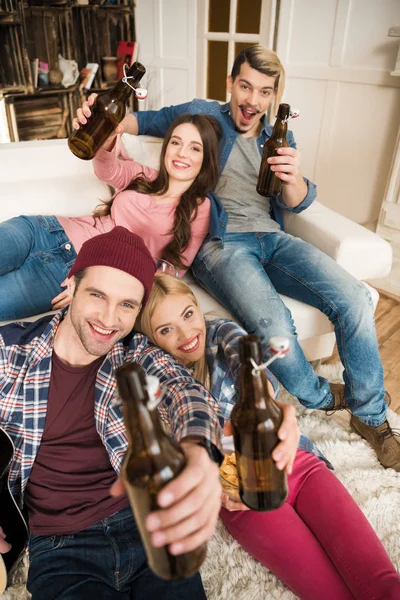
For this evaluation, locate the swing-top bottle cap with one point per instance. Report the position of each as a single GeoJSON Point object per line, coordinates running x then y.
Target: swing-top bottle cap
{"type": "Point", "coordinates": [283, 112]}
{"type": "Point", "coordinates": [249, 347]}
{"type": "Point", "coordinates": [136, 71]}
{"type": "Point", "coordinates": [154, 391]}
{"type": "Point", "coordinates": [131, 381]}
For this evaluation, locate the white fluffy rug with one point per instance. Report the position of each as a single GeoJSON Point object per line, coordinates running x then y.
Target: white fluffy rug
{"type": "Point", "coordinates": [229, 573]}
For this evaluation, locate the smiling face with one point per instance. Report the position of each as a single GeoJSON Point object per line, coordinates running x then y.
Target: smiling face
{"type": "Point", "coordinates": [178, 327]}
{"type": "Point", "coordinates": [252, 93]}
{"type": "Point", "coordinates": [184, 153]}
{"type": "Point", "coordinates": [103, 310]}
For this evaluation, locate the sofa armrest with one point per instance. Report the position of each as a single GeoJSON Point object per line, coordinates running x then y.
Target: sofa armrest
{"type": "Point", "coordinates": [360, 251]}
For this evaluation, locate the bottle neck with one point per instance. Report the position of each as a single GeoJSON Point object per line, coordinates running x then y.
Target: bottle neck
{"type": "Point", "coordinates": [122, 91]}
{"type": "Point", "coordinates": [279, 130]}
{"type": "Point", "coordinates": [133, 75]}
{"type": "Point", "coordinates": [143, 427]}
{"type": "Point", "coordinates": [253, 388]}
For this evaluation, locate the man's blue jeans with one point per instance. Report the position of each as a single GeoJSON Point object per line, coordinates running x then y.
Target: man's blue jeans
{"type": "Point", "coordinates": [35, 257]}
{"type": "Point", "coordinates": [246, 273]}
{"type": "Point", "coordinates": [104, 562]}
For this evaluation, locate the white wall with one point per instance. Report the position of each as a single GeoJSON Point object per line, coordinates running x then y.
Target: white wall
{"type": "Point", "coordinates": [166, 32]}
{"type": "Point", "coordinates": [338, 58]}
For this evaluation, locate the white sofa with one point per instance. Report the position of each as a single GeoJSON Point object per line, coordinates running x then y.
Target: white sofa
{"type": "Point", "coordinates": [44, 177]}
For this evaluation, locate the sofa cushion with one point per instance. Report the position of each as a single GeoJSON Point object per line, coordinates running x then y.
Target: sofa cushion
{"type": "Point", "coordinates": [143, 148]}
{"type": "Point", "coordinates": [39, 178]}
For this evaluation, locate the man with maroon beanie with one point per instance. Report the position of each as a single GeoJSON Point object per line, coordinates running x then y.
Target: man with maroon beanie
{"type": "Point", "coordinates": [57, 390]}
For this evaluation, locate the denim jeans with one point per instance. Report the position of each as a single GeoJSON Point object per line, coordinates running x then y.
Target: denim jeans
{"type": "Point", "coordinates": [35, 257]}
{"type": "Point", "coordinates": [246, 273]}
{"type": "Point", "coordinates": [104, 562]}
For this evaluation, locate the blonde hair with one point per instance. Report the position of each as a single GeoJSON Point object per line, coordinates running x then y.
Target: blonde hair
{"type": "Point", "coordinates": [266, 61]}
{"type": "Point", "coordinates": [166, 285]}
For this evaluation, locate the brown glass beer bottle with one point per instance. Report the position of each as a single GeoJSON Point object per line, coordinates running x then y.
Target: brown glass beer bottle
{"type": "Point", "coordinates": [107, 112]}
{"type": "Point", "coordinates": [256, 419]}
{"type": "Point", "coordinates": [151, 461]}
{"type": "Point", "coordinates": [268, 183]}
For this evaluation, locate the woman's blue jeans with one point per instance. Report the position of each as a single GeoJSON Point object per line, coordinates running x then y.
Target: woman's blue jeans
{"type": "Point", "coordinates": [247, 272]}
{"type": "Point", "coordinates": [104, 562]}
{"type": "Point", "coordinates": [35, 257]}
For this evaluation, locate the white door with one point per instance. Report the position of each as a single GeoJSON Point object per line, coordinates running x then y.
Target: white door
{"type": "Point", "coordinates": [338, 59]}
{"type": "Point", "coordinates": [225, 27]}
{"type": "Point", "coordinates": [389, 219]}
{"type": "Point", "coordinates": [166, 33]}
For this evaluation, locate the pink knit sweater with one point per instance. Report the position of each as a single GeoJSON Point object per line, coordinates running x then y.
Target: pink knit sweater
{"type": "Point", "coordinates": [137, 212]}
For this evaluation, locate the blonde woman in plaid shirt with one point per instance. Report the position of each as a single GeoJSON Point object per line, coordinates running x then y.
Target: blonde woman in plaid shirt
{"type": "Point", "coordinates": [314, 551]}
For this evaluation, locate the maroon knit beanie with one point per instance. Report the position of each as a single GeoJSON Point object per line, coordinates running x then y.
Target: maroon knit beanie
{"type": "Point", "coordinates": [120, 249]}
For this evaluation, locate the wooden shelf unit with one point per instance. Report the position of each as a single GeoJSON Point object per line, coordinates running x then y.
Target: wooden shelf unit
{"type": "Point", "coordinates": [32, 29]}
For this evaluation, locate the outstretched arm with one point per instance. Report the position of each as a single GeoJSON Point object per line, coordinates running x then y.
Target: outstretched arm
{"type": "Point", "coordinates": [190, 504]}
{"type": "Point", "coordinates": [156, 122]}
{"type": "Point", "coordinates": [128, 124]}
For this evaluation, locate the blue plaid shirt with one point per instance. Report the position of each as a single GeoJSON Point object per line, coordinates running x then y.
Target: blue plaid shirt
{"type": "Point", "coordinates": [223, 361]}
{"type": "Point", "coordinates": [25, 370]}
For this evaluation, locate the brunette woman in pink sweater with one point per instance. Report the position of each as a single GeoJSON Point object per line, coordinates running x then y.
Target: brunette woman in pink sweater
{"type": "Point", "coordinates": [169, 209]}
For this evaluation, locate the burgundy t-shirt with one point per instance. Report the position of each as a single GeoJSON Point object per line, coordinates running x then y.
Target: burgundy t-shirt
{"type": "Point", "coordinates": [68, 489]}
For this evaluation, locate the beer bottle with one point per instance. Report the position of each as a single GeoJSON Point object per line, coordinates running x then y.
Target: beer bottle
{"type": "Point", "coordinates": [107, 113]}
{"type": "Point", "coordinates": [151, 461]}
{"type": "Point", "coordinates": [256, 419]}
{"type": "Point", "coordinates": [268, 183]}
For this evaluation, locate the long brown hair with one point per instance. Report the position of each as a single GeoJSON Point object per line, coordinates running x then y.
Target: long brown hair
{"type": "Point", "coordinates": [186, 211]}
{"type": "Point", "coordinates": [166, 285]}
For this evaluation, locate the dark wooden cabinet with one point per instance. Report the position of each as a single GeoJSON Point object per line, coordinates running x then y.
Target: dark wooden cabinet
{"type": "Point", "coordinates": [44, 30]}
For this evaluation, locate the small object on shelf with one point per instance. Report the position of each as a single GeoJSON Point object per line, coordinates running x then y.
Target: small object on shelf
{"type": "Point", "coordinates": [88, 74]}
{"type": "Point", "coordinates": [69, 70]}
{"type": "Point", "coordinates": [55, 76]}
{"type": "Point", "coordinates": [34, 64]}
{"type": "Point", "coordinates": [110, 68]}
{"type": "Point", "coordinates": [127, 52]}
{"type": "Point", "coordinates": [43, 76]}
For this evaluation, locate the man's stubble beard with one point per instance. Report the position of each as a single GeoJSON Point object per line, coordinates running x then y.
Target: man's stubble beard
{"type": "Point", "coordinates": [80, 332]}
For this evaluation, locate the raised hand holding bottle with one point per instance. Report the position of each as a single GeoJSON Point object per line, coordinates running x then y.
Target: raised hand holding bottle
{"type": "Point", "coordinates": [256, 419]}
{"type": "Point", "coordinates": [107, 113]}
{"type": "Point", "coordinates": [152, 460]}
{"type": "Point", "coordinates": [268, 183]}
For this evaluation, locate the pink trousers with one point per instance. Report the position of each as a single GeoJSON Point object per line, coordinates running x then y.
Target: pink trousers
{"type": "Point", "coordinates": [318, 543]}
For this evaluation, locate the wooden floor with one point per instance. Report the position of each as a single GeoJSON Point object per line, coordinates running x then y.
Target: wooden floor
{"type": "Point", "coordinates": [387, 317]}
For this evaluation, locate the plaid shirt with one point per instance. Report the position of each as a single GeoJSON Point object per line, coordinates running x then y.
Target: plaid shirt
{"type": "Point", "coordinates": [25, 370]}
{"type": "Point", "coordinates": [223, 361]}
